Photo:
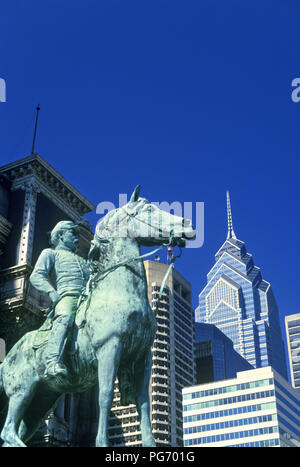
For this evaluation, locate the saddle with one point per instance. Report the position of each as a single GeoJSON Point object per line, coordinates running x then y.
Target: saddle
{"type": "Point", "coordinates": [42, 334]}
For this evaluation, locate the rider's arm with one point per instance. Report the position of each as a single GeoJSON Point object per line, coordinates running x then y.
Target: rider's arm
{"type": "Point", "coordinates": [40, 275]}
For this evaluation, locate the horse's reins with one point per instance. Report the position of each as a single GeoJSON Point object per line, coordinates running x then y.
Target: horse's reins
{"type": "Point", "coordinates": [173, 259]}
{"type": "Point", "coordinates": [124, 263]}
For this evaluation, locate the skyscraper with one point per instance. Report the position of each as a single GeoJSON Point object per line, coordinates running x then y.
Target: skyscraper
{"type": "Point", "coordinates": [292, 326]}
{"type": "Point", "coordinates": [215, 356]}
{"type": "Point", "coordinates": [172, 363]}
{"type": "Point", "coordinates": [242, 305]}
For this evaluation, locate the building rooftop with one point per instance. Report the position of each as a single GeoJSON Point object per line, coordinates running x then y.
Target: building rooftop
{"type": "Point", "coordinates": [36, 166]}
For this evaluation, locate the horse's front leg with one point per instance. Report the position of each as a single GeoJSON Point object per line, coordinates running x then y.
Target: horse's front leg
{"type": "Point", "coordinates": [108, 362]}
{"type": "Point", "coordinates": [142, 400]}
{"type": "Point", "coordinates": [18, 403]}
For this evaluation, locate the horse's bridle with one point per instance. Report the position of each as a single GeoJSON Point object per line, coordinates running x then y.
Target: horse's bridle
{"type": "Point", "coordinates": [99, 276]}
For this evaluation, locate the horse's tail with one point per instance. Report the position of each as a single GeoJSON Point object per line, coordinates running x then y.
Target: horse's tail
{"type": "Point", "coordinates": [126, 386]}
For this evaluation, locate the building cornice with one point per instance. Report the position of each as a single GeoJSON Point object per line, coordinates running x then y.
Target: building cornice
{"type": "Point", "coordinates": [15, 272]}
{"type": "Point", "coordinates": [35, 170]}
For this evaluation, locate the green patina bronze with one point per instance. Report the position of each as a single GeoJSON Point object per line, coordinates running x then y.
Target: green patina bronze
{"type": "Point", "coordinates": [100, 325]}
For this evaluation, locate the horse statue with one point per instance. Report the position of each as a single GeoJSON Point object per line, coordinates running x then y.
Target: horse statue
{"type": "Point", "coordinates": [115, 328]}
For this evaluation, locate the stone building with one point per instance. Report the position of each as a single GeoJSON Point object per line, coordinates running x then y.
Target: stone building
{"type": "Point", "coordinates": [33, 198]}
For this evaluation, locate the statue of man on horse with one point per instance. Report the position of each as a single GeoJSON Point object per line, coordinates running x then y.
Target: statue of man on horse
{"type": "Point", "coordinates": [115, 326]}
{"type": "Point", "coordinates": [62, 274]}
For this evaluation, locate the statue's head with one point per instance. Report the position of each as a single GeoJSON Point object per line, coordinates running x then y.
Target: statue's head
{"type": "Point", "coordinates": [65, 234]}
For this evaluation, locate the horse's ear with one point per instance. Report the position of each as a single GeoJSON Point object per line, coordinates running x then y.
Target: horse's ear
{"type": "Point", "coordinates": [136, 194]}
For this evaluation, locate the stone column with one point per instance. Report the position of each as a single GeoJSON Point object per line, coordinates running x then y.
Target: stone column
{"type": "Point", "coordinates": [26, 241]}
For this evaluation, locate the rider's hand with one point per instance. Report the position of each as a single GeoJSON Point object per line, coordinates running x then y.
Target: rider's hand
{"type": "Point", "coordinates": [54, 296]}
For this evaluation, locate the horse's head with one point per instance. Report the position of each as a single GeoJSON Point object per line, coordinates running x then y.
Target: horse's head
{"type": "Point", "coordinates": [145, 222]}
{"type": "Point", "coordinates": [151, 225]}
{"type": "Point", "coordinates": [142, 221]}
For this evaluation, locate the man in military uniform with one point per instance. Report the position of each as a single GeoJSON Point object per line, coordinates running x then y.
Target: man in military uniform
{"type": "Point", "coordinates": [62, 274]}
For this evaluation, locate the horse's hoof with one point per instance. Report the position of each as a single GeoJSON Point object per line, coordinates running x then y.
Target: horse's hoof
{"type": "Point", "coordinates": [13, 443]}
{"type": "Point", "coordinates": [102, 444]}
{"type": "Point", "coordinates": [6, 445]}
{"type": "Point", "coordinates": [149, 443]}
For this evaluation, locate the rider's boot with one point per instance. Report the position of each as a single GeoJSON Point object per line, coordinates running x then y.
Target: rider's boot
{"type": "Point", "coordinates": [55, 345]}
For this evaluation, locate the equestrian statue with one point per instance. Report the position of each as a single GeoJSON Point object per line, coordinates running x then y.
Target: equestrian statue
{"type": "Point", "coordinates": [99, 327]}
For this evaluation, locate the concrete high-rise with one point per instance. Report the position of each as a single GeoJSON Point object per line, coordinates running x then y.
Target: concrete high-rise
{"type": "Point", "coordinates": [292, 326]}
{"type": "Point", "coordinates": [242, 305]}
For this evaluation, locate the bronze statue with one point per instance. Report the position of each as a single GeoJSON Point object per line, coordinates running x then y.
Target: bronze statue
{"type": "Point", "coordinates": [113, 329]}
{"type": "Point", "coordinates": [62, 274]}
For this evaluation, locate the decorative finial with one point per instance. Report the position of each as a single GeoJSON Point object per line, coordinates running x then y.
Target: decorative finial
{"type": "Point", "coordinates": [35, 128]}
{"type": "Point", "coordinates": [230, 233]}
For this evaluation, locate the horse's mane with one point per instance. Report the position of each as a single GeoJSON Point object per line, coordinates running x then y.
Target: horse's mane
{"type": "Point", "coordinates": [102, 228]}
{"type": "Point", "coordinates": [109, 224]}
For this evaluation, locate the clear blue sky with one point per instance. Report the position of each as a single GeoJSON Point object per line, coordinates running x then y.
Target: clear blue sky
{"type": "Point", "coordinates": [188, 99]}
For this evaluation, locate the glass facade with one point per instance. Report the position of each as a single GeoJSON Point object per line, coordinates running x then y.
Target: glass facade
{"type": "Point", "coordinates": [256, 409]}
{"type": "Point", "coordinates": [215, 356]}
{"type": "Point", "coordinates": [242, 305]}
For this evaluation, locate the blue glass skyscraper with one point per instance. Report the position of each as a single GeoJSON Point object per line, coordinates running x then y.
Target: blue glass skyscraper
{"type": "Point", "coordinates": [215, 356]}
{"type": "Point", "coordinates": [242, 305]}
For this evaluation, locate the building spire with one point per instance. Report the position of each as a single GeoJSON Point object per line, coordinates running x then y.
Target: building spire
{"type": "Point", "coordinates": [230, 233]}
{"type": "Point", "coordinates": [35, 128]}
